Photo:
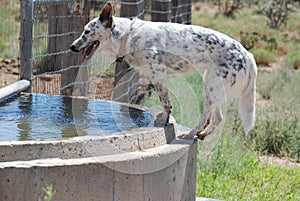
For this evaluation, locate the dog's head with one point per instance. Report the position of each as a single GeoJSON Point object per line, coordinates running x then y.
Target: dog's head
{"type": "Point", "coordinates": [95, 33]}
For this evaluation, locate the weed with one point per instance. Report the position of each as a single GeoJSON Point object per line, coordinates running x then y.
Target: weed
{"type": "Point", "coordinates": [107, 72]}
{"type": "Point", "coordinates": [49, 192]}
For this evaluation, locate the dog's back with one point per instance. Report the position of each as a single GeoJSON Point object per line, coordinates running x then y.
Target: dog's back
{"type": "Point", "coordinates": [172, 43]}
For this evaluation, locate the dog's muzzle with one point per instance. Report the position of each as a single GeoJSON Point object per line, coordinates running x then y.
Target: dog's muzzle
{"type": "Point", "coordinates": [74, 48]}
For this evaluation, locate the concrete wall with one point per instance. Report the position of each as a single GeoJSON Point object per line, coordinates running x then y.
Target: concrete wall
{"type": "Point", "coordinates": [160, 172]}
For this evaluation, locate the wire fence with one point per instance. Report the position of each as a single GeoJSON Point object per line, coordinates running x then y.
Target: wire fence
{"type": "Point", "coordinates": [48, 27]}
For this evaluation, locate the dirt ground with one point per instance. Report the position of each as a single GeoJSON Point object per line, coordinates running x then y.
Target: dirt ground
{"type": "Point", "coordinates": [9, 71]}
{"type": "Point", "coordinates": [281, 162]}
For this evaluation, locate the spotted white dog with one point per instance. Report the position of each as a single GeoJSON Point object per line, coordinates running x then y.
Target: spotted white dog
{"type": "Point", "coordinates": [228, 69]}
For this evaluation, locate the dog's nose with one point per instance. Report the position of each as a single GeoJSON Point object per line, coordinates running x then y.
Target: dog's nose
{"type": "Point", "coordinates": [73, 48]}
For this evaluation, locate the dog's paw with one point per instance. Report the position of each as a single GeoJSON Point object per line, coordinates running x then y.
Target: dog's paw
{"type": "Point", "coordinates": [201, 136]}
{"type": "Point", "coordinates": [161, 120]}
{"type": "Point", "coordinates": [193, 134]}
{"type": "Point", "coordinates": [186, 136]}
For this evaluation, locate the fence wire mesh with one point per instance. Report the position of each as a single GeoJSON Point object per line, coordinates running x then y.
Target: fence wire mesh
{"type": "Point", "coordinates": [48, 27]}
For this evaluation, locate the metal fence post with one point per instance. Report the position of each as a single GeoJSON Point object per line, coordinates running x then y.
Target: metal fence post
{"type": "Point", "coordinates": [26, 39]}
{"type": "Point", "coordinates": [126, 80]}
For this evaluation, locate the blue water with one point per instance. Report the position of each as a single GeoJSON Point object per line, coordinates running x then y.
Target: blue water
{"type": "Point", "coordinates": [33, 117]}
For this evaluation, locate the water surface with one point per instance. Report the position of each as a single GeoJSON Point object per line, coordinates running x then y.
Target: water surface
{"type": "Point", "coordinates": [36, 116]}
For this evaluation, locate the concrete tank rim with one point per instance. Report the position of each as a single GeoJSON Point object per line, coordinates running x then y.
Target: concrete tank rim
{"type": "Point", "coordinates": [91, 146]}
{"type": "Point", "coordinates": [128, 162]}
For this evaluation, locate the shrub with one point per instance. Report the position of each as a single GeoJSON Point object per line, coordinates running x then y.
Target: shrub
{"type": "Point", "coordinates": [251, 40]}
{"type": "Point", "coordinates": [230, 7]}
{"type": "Point", "coordinates": [277, 11]}
{"type": "Point", "coordinates": [277, 126]}
{"type": "Point", "coordinates": [276, 132]}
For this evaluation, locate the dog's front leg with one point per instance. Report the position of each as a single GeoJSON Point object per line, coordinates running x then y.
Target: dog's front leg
{"type": "Point", "coordinates": [163, 118]}
{"type": "Point", "coordinates": [158, 76]}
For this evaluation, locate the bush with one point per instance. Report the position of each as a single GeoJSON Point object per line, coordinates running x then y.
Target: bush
{"type": "Point", "coordinates": [277, 11]}
{"type": "Point", "coordinates": [277, 133]}
{"type": "Point", "coordinates": [249, 40]}
{"type": "Point", "coordinates": [230, 7]}
{"type": "Point", "coordinates": [263, 57]}
{"type": "Point", "coordinates": [277, 128]}
{"type": "Point", "coordinates": [255, 40]}
{"type": "Point", "coordinates": [264, 47]}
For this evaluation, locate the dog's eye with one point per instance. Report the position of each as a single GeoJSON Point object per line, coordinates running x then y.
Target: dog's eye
{"type": "Point", "coordinates": [87, 31]}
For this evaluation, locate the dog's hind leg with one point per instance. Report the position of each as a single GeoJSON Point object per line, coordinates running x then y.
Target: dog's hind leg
{"type": "Point", "coordinates": [204, 123]}
{"type": "Point", "coordinates": [211, 118]}
{"type": "Point", "coordinates": [207, 122]}
{"type": "Point", "coordinates": [212, 114]}
{"type": "Point", "coordinates": [215, 120]}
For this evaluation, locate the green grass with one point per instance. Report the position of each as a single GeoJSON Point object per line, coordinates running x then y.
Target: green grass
{"type": "Point", "coordinates": [231, 175]}
{"type": "Point", "coordinates": [282, 88]}
{"type": "Point", "coordinates": [292, 58]}
{"type": "Point", "coordinates": [9, 28]}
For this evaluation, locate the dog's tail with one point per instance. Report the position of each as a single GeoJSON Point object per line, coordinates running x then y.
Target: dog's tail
{"type": "Point", "coordinates": [247, 98]}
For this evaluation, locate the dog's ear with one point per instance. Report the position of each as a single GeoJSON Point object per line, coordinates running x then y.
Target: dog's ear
{"type": "Point", "coordinates": [106, 16]}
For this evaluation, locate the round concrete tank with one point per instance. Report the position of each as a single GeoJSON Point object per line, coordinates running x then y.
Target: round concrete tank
{"type": "Point", "coordinates": [141, 164]}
